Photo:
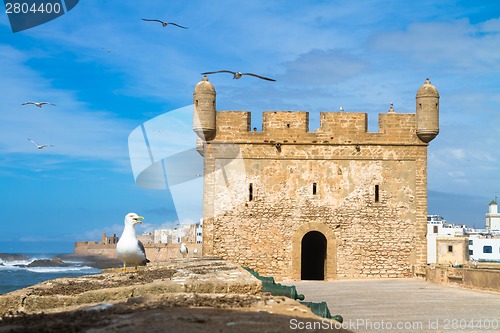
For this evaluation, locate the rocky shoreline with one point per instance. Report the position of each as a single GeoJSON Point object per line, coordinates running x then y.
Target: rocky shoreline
{"type": "Point", "coordinates": [62, 261]}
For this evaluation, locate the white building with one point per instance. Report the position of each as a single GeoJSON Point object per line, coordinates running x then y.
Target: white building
{"type": "Point", "coordinates": [173, 236]}
{"type": "Point", "coordinates": [199, 232]}
{"type": "Point", "coordinates": [438, 227]}
{"type": "Point", "coordinates": [163, 236]}
{"type": "Point", "coordinates": [493, 217]}
{"type": "Point", "coordinates": [484, 249]}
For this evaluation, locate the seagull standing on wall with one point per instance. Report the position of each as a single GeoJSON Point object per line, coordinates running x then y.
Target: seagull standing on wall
{"type": "Point", "coordinates": [164, 24]}
{"type": "Point", "coordinates": [39, 104]}
{"type": "Point", "coordinates": [184, 250]}
{"type": "Point", "coordinates": [238, 75]}
{"type": "Point", "coordinates": [129, 249]}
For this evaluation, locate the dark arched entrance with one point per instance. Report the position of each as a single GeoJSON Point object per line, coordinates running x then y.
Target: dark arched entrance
{"type": "Point", "coordinates": [313, 256]}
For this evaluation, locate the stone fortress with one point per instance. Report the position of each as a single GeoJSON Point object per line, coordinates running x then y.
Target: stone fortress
{"type": "Point", "coordinates": [339, 202]}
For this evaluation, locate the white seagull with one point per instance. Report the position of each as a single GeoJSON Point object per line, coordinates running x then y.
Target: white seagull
{"type": "Point", "coordinates": [238, 75]}
{"type": "Point", "coordinates": [39, 104]}
{"type": "Point", "coordinates": [129, 249]}
{"type": "Point", "coordinates": [40, 146]}
{"type": "Point", "coordinates": [164, 24]}
{"type": "Point", "coordinates": [184, 250]}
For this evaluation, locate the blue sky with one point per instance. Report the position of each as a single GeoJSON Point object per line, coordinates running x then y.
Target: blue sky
{"type": "Point", "coordinates": [360, 55]}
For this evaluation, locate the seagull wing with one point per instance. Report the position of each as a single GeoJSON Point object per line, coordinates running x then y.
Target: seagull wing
{"type": "Point", "coordinates": [36, 144]}
{"type": "Point", "coordinates": [260, 77]}
{"type": "Point", "coordinates": [141, 247]}
{"type": "Point", "coordinates": [180, 26]}
{"type": "Point", "coordinates": [152, 20]}
{"type": "Point", "coordinates": [25, 103]}
{"type": "Point", "coordinates": [221, 71]}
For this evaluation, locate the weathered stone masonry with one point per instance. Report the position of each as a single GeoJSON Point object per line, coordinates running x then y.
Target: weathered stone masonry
{"type": "Point", "coordinates": [365, 192]}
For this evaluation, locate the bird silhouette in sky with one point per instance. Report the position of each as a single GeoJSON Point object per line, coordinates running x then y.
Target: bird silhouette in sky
{"type": "Point", "coordinates": [40, 146]}
{"type": "Point", "coordinates": [39, 104]}
{"type": "Point", "coordinates": [238, 75]}
{"type": "Point", "coordinates": [164, 24]}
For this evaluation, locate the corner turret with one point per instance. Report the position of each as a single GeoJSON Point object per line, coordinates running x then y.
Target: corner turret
{"type": "Point", "coordinates": [204, 110]}
{"type": "Point", "coordinates": [427, 109]}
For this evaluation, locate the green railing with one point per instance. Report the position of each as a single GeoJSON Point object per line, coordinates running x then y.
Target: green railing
{"type": "Point", "coordinates": [276, 289]}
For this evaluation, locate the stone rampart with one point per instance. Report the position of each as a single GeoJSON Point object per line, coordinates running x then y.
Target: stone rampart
{"type": "Point", "coordinates": [154, 252]}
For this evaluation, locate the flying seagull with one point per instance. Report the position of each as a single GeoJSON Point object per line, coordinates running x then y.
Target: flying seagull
{"type": "Point", "coordinates": [39, 104]}
{"type": "Point", "coordinates": [40, 146]}
{"type": "Point", "coordinates": [164, 24]}
{"type": "Point", "coordinates": [129, 249]}
{"type": "Point", "coordinates": [238, 75]}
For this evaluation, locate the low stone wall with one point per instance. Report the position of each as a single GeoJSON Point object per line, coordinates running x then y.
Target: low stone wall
{"type": "Point", "coordinates": [154, 252]}
{"type": "Point", "coordinates": [484, 278]}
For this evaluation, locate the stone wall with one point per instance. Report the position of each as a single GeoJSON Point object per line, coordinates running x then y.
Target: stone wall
{"type": "Point", "coordinates": [459, 247]}
{"type": "Point", "coordinates": [259, 201]}
{"type": "Point", "coordinates": [154, 252]}
{"type": "Point", "coordinates": [474, 278]}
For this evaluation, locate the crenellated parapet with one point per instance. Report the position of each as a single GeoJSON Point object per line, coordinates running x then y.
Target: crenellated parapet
{"type": "Point", "coordinates": [335, 128]}
{"type": "Point", "coordinates": [289, 127]}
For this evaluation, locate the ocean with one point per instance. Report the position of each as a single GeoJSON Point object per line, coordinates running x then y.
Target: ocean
{"type": "Point", "coordinates": [14, 275]}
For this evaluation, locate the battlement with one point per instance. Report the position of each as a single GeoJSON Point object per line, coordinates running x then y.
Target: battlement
{"type": "Point", "coordinates": [279, 121]}
{"type": "Point", "coordinates": [335, 127]}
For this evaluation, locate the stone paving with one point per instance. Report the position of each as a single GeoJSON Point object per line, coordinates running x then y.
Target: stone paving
{"type": "Point", "coordinates": [405, 305]}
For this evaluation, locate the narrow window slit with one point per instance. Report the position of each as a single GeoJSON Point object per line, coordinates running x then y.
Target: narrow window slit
{"type": "Point", "coordinates": [314, 188]}
{"type": "Point", "coordinates": [250, 192]}
{"type": "Point", "coordinates": [377, 196]}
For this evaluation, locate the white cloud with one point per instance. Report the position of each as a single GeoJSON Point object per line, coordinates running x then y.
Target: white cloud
{"type": "Point", "coordinates": [458, 44]}
{"type": "Point", "coordinates": [324, 67]}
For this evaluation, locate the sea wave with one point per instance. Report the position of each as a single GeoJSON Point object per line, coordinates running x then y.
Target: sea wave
{"type": "Point", "coordinates": [15, 263]}
{"type": "Point", "coordinates": [14, 274]}
{"type": "Point", "coordinates": [81, 269]}
{"type": "Point", "coordinates": [73, 266]}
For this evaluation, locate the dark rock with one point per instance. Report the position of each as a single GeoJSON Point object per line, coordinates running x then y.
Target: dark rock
{"type": "Point", "coordinates": [56, 262]}
{"type": "Point", "coordinates": [12, 257]}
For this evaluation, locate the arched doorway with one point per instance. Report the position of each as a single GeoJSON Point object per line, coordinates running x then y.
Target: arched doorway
{"type": "Point", "coordinates": [313, 255]}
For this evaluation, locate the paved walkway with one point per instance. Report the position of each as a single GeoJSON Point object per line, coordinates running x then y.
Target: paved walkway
{"type": "Point", "coordinates": [405, 305]}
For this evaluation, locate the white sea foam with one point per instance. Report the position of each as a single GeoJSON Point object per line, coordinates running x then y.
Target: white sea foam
{"type": "Point", "coordinates": [82, 269]}
{"type": "Point", "coordinates": [14, 263]}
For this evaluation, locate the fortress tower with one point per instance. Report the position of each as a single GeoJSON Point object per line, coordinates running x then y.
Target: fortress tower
{"type": "Point", "coordinates": [338, 202]}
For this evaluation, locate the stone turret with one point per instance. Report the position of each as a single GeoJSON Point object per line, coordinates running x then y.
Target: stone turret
{"type": "Point", "coordinates": [427, 110]}
{"type": "Point", "coordinates": [204, 110]}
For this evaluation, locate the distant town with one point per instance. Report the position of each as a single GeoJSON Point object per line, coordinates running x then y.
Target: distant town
{"type": "Point", "coordinates": [160, 245]}
{"type": "Point", "coordinates": [458, 244]}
